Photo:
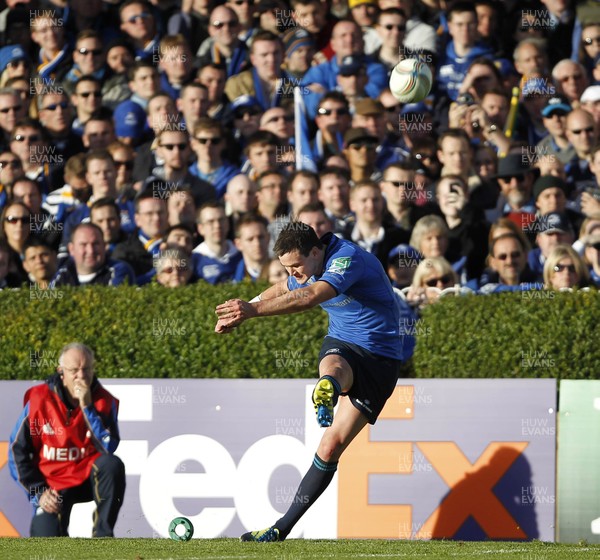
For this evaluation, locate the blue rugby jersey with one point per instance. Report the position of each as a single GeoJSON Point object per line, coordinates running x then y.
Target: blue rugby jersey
{"type": "Point", "coordinates": [366, 311]}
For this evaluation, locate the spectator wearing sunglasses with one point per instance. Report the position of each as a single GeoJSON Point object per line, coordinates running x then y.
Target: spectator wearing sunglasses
{"type": "Point", "coordinates": [565, 270]}
{"type": "Point", "coordinates": [554, 117]}
{"type": "Point", "coordinates": [583, 136]}
{"type": "Point", "coordinates": [243, 115]}
{"type": "Point", "coordinates": [210, 166]}
{"type": "Point", "coordinates": [15, 231]}
{"type": "Point", "coordinates": [12, 109]}
{"type": "Point", "coordinates": [87, 99]}
{"type": "Point", "coordinates": [14, 63]}
{"type": "Point", "coordinates": [123, 157]}
{"type": "Point", "coordinates": [40, 162]}
{"type": "Point", "coordinates": [391, 30]}
{"type": "Point", "coordinates": [589, 46]}
{"type": "Point", "coordinates": [48, 32]}
{"type": "Point", "coordinates": [333, 121]}
{"type": "Point", "coordinates": [553, 229]}
{"type": "Point", "coordinates": [139, 26]}
{"type": "Point", "coordinates": [172, 147]}
{"type": "Point", "coordinates": [89, 59]}
{"type": "Point", "coordinates": [224, 47]}
{"type": "Point", "coordinates": [507, 267]}
{"type": "Point", "coordinates": [56, 114]}
{"type": "Point", "coordinates": [361, 152]}
{"type": "Point", "coordinates": [431, 277]}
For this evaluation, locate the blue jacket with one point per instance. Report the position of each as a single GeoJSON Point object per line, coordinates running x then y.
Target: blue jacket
{"type": "Point", "coordinates": [452, 69]}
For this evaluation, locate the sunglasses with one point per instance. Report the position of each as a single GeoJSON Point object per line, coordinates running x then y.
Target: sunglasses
{"type": "Point", "coordinates": [17, 63]}
{"type": "Point", "coordinates": [17, 219]}
{"type": "Point", "coordinates": [23, 138]}
{"type": "Point", "coordinates": [240, 2]}
{"type": "Point", "coordinates": [86, 94]}
{"type": "Point", "coordinates": [251, 111]}
{"type": "Point", "coordinates": [590, 40]}
{"type": "Point", "coordinates": [514, 255]}
{"type": "Point", "coordinates": [209, 141]}
{"type": "Point", "coordinates": [589, 130]}
{"type": "Point", "coordinates": [424, 156]}
{"type": "Point", "coordinates": [391, 109]}
{"type": "Point", "coordinates": [63, 105]}
{"type": "Point", "coordinates": [127, 164]}
{"type": "Point", "coordinates": [220, 24]}
{"type": "Point", "coordinates": [433, 282]}
{"type": "Point", "coordinates": [93, 52]}
{"type": "Point", "coordinates": [6, 110]}
{"type": "Point", "coordinates": [595, 246]}
{"type": "Point", "coordinates": [390, 26]}
{"type": "Point", "coordinates": [327, 112]}
{"type": "Point", "coordinates": [360, 145]}
{"type": "Point", "coordinates": [13, 163]}
{"type": "Point", "coordinates": [561, 267]}
{"type": "Point", "coordinates": [139, 17]}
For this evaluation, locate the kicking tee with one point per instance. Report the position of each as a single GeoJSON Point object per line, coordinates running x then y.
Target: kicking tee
{"type": "Point", "coordinates": [365, 312]}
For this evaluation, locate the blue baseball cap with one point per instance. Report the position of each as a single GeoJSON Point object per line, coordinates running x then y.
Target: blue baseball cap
{"type": "Point", "coordinates": [11, 53]}
{"type": "Point", "coordinates": [556, 103]}
{"type": "Point", "coordinates": [130, 120]}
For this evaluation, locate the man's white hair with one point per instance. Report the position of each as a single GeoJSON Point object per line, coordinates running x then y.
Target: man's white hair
{"type": "Point", "coordinates": [76, 346]}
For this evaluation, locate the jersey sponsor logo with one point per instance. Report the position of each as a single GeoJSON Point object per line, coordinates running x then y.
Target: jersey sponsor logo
{"type": "Point", "coordinates": [63, 454]}
{"type": "Point", "coordinates": [339, 265]}
{"type": "Point", "coordinates": [333, 351]}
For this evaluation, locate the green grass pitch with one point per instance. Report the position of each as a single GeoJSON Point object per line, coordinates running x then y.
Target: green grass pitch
{"type": "Point", "coordinates": [293, 549]}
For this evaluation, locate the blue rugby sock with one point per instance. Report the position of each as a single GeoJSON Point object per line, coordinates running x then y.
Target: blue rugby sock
{"type": "Point", "coordinates": [314, 483]}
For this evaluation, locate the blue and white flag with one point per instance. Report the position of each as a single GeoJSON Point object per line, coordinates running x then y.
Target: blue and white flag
{"type": "Point", "coordinates": [304, 155]}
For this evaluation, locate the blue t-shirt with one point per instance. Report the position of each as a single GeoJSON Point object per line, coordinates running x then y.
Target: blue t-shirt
{"type": "Point", "coordinates": [365, 312]}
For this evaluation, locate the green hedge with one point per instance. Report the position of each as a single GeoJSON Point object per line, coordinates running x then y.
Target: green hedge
{"type": "Point", "coordinates": [157, 332]}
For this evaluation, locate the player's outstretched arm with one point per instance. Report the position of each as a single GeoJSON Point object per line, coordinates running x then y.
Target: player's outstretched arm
{"type": "Point", "coordinates": [234, 312]}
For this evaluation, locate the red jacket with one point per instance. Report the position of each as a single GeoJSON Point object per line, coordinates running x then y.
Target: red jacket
{"type": "Point", "coordinates": [55, 445]}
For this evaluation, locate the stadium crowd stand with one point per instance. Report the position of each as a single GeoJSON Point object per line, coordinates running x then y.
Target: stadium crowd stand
{"type": "Point", "coordinates": [169, 124]}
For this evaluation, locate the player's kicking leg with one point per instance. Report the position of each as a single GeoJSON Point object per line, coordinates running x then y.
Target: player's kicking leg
{"type": "Point", "coordinates": [348, 422]}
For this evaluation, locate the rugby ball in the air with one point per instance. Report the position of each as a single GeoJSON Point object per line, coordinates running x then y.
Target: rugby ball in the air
{"type": "Point", "coordinates": [410, 81]}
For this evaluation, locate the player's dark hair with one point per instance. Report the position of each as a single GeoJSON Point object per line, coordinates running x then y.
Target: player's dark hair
{"type": "Point", "coordinates": [296, 236]}
{"type": "Point", "coordinates": [34, 241]}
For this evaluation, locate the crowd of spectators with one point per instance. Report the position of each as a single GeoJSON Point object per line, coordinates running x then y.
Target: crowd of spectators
{"type": "Point", "coordinates": [155, 141]}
